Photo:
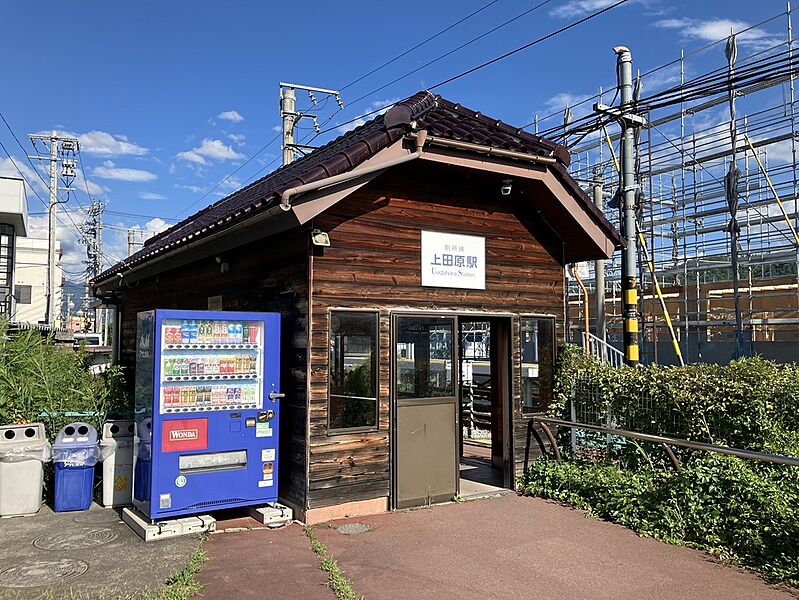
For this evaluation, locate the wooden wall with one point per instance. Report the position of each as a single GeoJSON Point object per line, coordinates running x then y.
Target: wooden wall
{"type": "Point", "coordinates": [264, 276]}
{"type": "Point", "coordinates": [374, 262]}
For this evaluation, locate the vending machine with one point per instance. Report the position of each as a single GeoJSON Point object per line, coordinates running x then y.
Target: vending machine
{"type": "Point", "coordinates": [207, 411]}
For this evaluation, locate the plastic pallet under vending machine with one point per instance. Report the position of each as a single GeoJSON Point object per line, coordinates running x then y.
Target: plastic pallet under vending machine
{"type": "Point", "coordinates": [207, 414]}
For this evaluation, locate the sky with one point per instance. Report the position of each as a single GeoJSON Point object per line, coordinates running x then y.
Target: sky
{"type": "Point", "coordinates": [169, 98]}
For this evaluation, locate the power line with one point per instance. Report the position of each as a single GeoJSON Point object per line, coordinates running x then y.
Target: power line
{"type": "Point", "coordinates": [450, 52]}
{"type": "Point", "coordinates": [530, 44]}
{"type": "Point", "coordinates": [485, 64]}
{"type": "Point", "coordinates": [419, 45]}
{"type": "Point", "coordinates": [223, 180]}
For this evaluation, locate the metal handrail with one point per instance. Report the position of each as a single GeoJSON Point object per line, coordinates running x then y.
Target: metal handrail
{"type": "Point", "coordinates": [600, 349]}
{"type": "Point", "coordinates": [657, 439]}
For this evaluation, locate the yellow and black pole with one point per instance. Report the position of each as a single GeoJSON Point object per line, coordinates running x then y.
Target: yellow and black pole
{"type": "Point", "coordinates": [629, 281]}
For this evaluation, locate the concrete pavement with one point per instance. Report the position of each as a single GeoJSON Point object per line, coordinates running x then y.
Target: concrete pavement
{"type": "Point", "coordinates": [81, 555]}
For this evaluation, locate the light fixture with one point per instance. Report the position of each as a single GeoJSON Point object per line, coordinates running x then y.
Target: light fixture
{"type": "Point", "coordinates": [320, 238]}
{"type": "Point", "coordinates": [506, 187]}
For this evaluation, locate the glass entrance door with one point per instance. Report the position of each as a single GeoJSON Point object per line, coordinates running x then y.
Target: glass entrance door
{"type": "Point", "coordinates": [426, 424]}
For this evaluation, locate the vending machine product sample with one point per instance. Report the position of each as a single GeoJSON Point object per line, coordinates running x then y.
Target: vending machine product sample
{"type": "Point", "coordinates": [207, 411]}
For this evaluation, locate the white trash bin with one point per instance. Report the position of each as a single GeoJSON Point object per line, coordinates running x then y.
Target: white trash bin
{"type": "Point", "coordinates": [23, 449]}
{"type": "Point", "coordinates": [116, 448]}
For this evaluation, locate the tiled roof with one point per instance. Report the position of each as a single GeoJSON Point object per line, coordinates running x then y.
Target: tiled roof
{"type": "Point", "coordinates": [438, 116]}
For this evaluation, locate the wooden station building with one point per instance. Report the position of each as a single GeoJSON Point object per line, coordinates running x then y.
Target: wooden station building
{"type": "Point", "coordinates": [389, 252]}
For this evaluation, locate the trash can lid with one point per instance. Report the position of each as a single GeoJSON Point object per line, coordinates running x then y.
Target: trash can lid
{"type": "Point", "coordinates": [118, 429]}
{"type": "Point", "coordinates": [15, 436]}
{"type": "Point", "coordinates": [76, 435]}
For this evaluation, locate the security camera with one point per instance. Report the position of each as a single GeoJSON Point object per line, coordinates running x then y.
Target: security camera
{"type": "Point", "coordinates": [506, 187]}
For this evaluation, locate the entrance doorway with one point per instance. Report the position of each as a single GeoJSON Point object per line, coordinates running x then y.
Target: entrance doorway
{"type": "Point", "coordinates": [485, 405]}
{"type": "Point", "coordinates": [436, 450]}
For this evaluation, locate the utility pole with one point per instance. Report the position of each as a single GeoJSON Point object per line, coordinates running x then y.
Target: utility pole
{"type": "Point", "coordinates": [93, 232]}
{"type": "Point", "coordinates": [599, 267]}
{"type": "Point", "coordinates": [731, 185]}
{"type": "Point", "coordinates": [629, 121]}
{"type": "Point", "coordinates": [61, 149]}
{"type": "Point", "coordinates": [290, 116]}
{"type": "Point", "coordinates": [132, 243]}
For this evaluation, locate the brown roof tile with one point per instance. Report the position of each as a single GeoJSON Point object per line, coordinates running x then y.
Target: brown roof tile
{"type": "Point", "coordinates": [438, 116]}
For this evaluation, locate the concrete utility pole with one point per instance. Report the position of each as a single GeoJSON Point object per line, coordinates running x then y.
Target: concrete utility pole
{"type": "Point", "coordinates": [288, 112]}
{"type": "Point", "coordinates": [290, 116]}
{"type": "Point", "coordinates": [599, 267]}
{"type": "Point", "coordinates": [60, 148]}
{"type": "Point", "coordinates": [629, 258]}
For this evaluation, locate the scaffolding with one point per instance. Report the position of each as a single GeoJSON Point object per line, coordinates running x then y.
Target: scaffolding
{"type": "Point", "coordinates": [684, 157]}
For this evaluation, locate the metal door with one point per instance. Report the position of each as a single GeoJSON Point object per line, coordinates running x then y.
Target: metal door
{"type": "Point", "coordinates": [426, 417]}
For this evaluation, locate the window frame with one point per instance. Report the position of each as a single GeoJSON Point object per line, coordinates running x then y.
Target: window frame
{"type": "Point", "coordinates": [331, 431]}
{"type": "Point", "coordinates": [541, 407]}
{"type": "Point", "coordinates": [18, 295]}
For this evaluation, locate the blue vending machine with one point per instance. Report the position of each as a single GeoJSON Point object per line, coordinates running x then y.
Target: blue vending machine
{"type": "Point", "coordinates": [207, 411]}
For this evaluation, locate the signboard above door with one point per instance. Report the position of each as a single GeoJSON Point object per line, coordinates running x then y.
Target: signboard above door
{"type": "Point", "coordinates": [453, 261]}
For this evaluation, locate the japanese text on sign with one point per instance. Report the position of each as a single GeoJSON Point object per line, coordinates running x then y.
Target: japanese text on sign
{"type": "Point", "coordinates": [455, 261]}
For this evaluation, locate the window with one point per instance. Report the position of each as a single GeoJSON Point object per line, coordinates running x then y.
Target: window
{"type": "Point", "coordinates": [23, 294]}
{"type": "Point", "coordinates": [538, 362]}
{"type": "Point", "coordinates": [353, 371]}
{"type": "Point", "coordinates": [424, 358]}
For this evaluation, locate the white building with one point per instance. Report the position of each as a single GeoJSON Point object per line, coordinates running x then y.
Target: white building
{"type": "Point", "coordinates": [23, 260]}
{"type": "Point", "coordinates": [30, 281]}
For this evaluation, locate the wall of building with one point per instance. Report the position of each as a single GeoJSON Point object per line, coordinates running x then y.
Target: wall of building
{"type": "Point", "coordinates": [374, 262]}
{"type": "Point", "coordinates": [30, 269]}
{"type": "Point", "coordinates": [266, 277]}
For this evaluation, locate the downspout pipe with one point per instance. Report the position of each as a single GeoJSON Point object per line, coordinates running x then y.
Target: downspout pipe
{"type": "Point", "coordinates": [285, 197]}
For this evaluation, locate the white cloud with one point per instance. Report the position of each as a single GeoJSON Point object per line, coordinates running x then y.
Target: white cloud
{"type": "Point", "coordinates": [559, 102]}
{"type": "Point", "coordinates": [101, 143]}
{"type": "Point", "coordinates": [367, 115]}
{"type": "Point", "coordinates": [7, 169]}
{"type": "Point", "coordinates": [579, 8]}
{"type": "Point", "coordinates": [151, 196]}
{"type": "Point", "coordinates": [110, 171]}
{"type": "Point", "coordinates": [712, 30]}
{"type": "Point", "coordinates": [209, 149]}
{"type": "Point", "coordinates": [115, 240]}
{"type": "Point", "coordinates": [277, 128]}
{"type": "Point", "coordinates": [230, 115]}
{"type": "Point", "coordinates": [192, 188]}
{"type": "Point", "coordinates": [237, 137]}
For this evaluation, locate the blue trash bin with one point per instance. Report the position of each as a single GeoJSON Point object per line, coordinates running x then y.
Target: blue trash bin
{"type": "Point", "coordinates": [75, 452]}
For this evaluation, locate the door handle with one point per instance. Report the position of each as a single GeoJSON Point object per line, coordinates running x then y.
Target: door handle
{"type": "Point", "coordinates": [275, 396]}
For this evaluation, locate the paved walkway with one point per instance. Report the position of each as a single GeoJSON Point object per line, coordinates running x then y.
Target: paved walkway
{"type": "Point", "coordinates": [261, 564]}
{"type": "Point", "coordinates": [516, 547]}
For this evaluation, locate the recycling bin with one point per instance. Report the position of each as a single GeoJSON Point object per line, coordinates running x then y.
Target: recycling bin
{"type": "Point", "coordinates": [116, 448]}
{"type": "Point", "coordinates": [142, 458]}
{"type": "Point", "coordinates": [23, 450]}
{"type": "Point", "coordinates": [75, 453]}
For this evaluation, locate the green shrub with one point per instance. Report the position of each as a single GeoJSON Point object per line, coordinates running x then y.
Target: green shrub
{"type": "Point", "coordinates": [43, 382]}
{"type": "Point", "coordinates": [727, 506]}
{"type": "Point", "coordinates": [750, 403]}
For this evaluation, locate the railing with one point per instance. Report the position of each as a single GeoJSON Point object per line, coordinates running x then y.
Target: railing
{"type": "Point", "coordinates": [664, 441]}
{"type": "Point", "coordinates": [480, 394]}
{"type": "Point", "coordinates": [599, 348]}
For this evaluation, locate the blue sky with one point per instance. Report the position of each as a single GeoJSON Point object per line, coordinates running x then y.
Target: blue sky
{"type": "Point", "coordinates": [168, 98]}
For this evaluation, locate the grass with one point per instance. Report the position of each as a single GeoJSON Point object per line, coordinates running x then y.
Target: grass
{"type": "Point", "coordinates": [182, 584]}
{"type": "Point", "coordinates": [337, 581]}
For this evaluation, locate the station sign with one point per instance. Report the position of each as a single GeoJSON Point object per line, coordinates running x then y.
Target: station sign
{"type": "Point", "coordinates": [453, 261]}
